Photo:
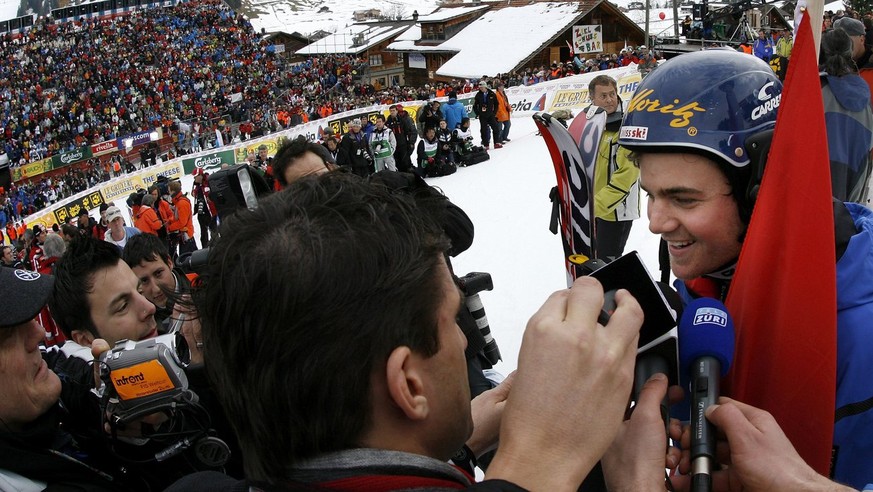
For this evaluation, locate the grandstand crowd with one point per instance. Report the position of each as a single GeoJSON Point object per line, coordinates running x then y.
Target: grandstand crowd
{"type": "Point", "coordinates": [190, 69]}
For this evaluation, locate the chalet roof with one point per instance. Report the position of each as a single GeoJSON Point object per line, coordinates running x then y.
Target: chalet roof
{"type": "Point", "coordinates": [445, 14]}
{"type": "Point", "coordinates": [354, 39]}
{"type": "Point", "coordinates": [528, 28]}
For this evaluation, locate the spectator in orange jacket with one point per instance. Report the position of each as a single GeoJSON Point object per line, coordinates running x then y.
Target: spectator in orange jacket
{"type": "Point", "coordinates": [504, 111]}
{"type": "Point", "coordinates": [181, 228]}
{"type": "Point", "coordinates": [145, 218]}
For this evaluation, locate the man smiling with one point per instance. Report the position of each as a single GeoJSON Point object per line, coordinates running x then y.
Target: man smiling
{"type": "Point", "coordinates": [97, 295]}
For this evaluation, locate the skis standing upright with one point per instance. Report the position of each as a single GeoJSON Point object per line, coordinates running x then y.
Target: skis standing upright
{"type": "Point", "coordinates": [574, 154]}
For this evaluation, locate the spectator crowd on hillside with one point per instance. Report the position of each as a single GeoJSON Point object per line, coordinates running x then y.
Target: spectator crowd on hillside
{"type": "Point", "coordinates": [190, 69]}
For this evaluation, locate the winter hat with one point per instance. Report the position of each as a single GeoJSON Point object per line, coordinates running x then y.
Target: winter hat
{"type": "Point", "coordinates": [355, 122]}
{"type": "Point", "coordinates": [24, 294]}
{"type": "Point", "coordinates": [853, 27]}
{"type": "Point", "coordinates": [37, 229]}
{"type": "Point", "coordinates": [198, 171]}
{"type": "Point", "coordinates": [483, 84]}
{"type": "Point", "coordinates": [453, 95]}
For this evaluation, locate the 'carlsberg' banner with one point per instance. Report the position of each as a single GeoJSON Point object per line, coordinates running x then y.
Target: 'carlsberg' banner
{"type": "Point", "coordinates": [588, 39]}
{"type": "Point", "coordinates": [71, 157]}
{"type": "Point", "coordinates": [209, 162]}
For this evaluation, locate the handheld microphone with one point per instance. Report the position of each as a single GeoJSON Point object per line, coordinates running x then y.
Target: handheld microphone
{"type": "Point", "coordinates": [661, 354]}
{"type": "Point", "coordinates": [706, 349]}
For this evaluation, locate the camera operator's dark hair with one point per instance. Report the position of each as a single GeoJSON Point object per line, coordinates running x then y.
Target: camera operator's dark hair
{"type": "Point", "coordinates": [293, 150]}
{"type": "Point", "coordinates": [348, 271]}
{"type": "Point", "coordinates": [144, 247]}
{"type": "Point", "coordinates": [74, 279]}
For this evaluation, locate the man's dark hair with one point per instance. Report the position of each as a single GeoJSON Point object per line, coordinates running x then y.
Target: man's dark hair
{"type": "Point", "coordinates": [380, 117]}
{"type": "Point", "coordinates": [144, 247]}
{"type": "Point", "coordinates": [350, 271]}
{"type": "Point", "coordinates": [293, 150]}
{"type": "Point", "coordinates": [70, 230]}
{"type": "Point", "coordinates": [74, 279]}
{"type": "Point", "coordinates": [601, 80]}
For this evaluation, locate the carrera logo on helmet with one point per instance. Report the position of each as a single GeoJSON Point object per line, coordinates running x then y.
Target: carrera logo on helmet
{"type": "Point", "coordinates": [764, 94]}
{"type": "Point", "coordinates": [766, 108]}
{"type": "Point", "coordinates": [684, 112]}
{"type": "Point", "coordinates": [634, 132]}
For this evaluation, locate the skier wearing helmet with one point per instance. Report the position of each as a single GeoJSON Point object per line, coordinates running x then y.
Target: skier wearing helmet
{"type": "Point", "coordinates": [693, 126]}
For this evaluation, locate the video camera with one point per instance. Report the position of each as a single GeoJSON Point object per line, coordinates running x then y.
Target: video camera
{"type": "Point", "coordinates": [142, 377]}
{"type": "Point", "coordinates": [148, 377]}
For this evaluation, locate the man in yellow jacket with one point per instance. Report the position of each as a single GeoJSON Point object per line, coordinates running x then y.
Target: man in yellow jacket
{"type": "Point", "coordinates": [616, 177]}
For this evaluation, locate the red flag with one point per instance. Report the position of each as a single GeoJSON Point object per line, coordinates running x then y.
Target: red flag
{"type": "Point", "coordinates": [572, 51]}
{"type": "Point", "coordinates": [784, 305]}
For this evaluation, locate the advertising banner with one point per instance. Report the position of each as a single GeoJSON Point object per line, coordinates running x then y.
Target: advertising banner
{"type": "Point", "coordinates": [588, 39]}
{"type": "Point", "coordinates": [32, 169]}
{"type": "Point", "coordinates": [241, 153]}
{"type": "Point", "coordinates": [574, 94]}
{"type": "Point", "coordinates": [135, 139]}
{"type": "Point", "coordinates": [172, 170]}
{"type": "Point", "coordinates": [88, 202]}
{"type": "Point", "coordinates": [71, 157]}
{"type": "Point", "coordinates": [209, 162]}
{"type": "Point", "coordinates": [104, 148]}
{"type": "Point", "coordinates": [122, 187]}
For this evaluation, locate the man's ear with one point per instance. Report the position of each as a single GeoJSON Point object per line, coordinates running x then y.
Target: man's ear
{"type": "Point", "coordinates": [82, 337]}
{"type": "Point", "coordinates": [403, 377]}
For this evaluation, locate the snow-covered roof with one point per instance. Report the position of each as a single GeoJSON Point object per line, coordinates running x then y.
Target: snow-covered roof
{"type": "Point", "coordinates": [445, 14]}
{"type": "Point", "coordinates": [343, 40]}
{"type": "Point", "coordinates": [407, 40]}
{"type": "Point", "coordinates": [525, 29]}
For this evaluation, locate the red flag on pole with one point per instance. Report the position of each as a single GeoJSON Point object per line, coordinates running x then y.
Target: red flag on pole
{"type": "Point", "coordinates": [572, 51]}
{"type": "Point", "coordinates": [784, 307]}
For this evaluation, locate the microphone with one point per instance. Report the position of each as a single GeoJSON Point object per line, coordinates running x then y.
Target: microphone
{"type": "Point", "coordinates": [706, 349]}
{"type": "Point", "coordinates": [661, 354]}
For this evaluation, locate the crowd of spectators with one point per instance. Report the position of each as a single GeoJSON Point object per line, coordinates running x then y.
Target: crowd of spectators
{"type": "Point", "coordinates": [190, 69]}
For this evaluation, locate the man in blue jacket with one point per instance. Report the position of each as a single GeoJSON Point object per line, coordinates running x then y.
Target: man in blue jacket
{"type": "Point", "coordinates": [763, 47]}
{"type": "Point", "coordinates": [453, 112]}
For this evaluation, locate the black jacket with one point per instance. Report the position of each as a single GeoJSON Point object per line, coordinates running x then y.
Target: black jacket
{"type": "Point", "coordinates": [485, 104]}
{"type": "Point", "coordinates": [354, 151]}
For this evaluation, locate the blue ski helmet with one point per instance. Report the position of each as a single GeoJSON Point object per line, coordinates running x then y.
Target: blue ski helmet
{"type": "Point", "coordinates": [708, 101]}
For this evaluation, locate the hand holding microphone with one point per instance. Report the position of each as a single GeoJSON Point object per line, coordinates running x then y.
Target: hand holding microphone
{"type": "Point", "coordinates": [706, 349]}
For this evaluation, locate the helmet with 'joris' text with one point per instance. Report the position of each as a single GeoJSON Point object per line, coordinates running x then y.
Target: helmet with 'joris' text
{"type": "Point", "coordinates": [719, 103]}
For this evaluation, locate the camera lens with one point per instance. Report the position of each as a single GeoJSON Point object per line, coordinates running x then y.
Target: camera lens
{"type": "Point", "coordinates": [183, 353]}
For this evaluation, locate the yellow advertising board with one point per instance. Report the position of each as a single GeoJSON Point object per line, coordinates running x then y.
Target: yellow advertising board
{"type": "Point", "coordinates": [122, 187]}
{"type": "Point", "coordinates": [32, 169]}
{"type": "Point", "coordinates": [241, 153]}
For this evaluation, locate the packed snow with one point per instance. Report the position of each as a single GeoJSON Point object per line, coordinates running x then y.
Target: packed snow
{"type": "Point", "coordinates": [507, 197]}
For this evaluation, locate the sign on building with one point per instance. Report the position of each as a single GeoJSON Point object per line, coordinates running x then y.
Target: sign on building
{"type": "Point", "coordinates": [588, 39]}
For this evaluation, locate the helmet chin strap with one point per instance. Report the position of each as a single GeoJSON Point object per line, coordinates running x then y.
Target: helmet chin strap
{"type": "Point", "coordinates": [725, 272]}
